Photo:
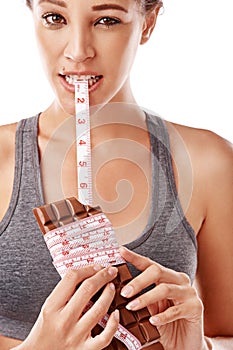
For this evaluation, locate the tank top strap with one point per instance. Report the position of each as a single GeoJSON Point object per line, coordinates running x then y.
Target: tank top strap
{"type": "Point", "coordinates": [162, 154]}
{"type": "Point", "coordinates": [26, 169]}
{"type": "Point", "coordinates": [30, 157]}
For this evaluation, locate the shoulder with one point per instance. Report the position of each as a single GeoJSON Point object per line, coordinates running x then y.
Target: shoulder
{"type": "Point", "coordinates": [7, 130]}
{"type": "Point", "coordinates": [203, 164]}
{"type": "Point", "coordinates": [7, 155]}
{"type": "Point", "coordinates": [7, 141]}
{"type": "Point", "coordinates": [209, 152]}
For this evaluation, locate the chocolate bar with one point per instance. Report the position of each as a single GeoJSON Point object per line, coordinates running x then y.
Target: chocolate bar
{"type": "Point", "coordinates": [77, 235]}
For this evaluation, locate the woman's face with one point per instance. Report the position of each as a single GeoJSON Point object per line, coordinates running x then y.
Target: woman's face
{"type": "Point", "coordinates": [94, 38]}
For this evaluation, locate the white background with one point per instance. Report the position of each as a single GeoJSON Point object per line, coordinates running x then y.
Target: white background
{"type": "Point", "coordinates": [185, 72]}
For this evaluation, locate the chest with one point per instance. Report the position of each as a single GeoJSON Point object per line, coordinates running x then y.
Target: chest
{"type": "Point", "coordinates": [121, 181]}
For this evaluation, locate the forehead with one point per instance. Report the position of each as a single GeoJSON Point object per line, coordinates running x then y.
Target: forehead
{"type": "Point", "coordinates": [66, 3]}
{"type": "Point", "coordinates": [128, 6]}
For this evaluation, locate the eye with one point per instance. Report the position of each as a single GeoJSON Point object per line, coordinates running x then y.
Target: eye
{"type": "Point", "coordinates": [53, 20]}
{"type": "Point", "coordinates": [107, 21]}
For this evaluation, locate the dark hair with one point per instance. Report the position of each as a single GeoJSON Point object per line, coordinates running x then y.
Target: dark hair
{"type": "Point", "coordinates": [148, 5]}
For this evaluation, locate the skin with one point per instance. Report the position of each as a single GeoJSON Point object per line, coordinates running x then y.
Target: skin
{"type": "Point", "coordinates": [85, 44]}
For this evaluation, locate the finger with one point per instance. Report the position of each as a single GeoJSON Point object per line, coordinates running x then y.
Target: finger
{"type": "Point", "coordinates": [191, 311]}
{"type": "Point", "coordinates": [67, 286]}
{"type": "Point", "coordinates": [152, 273]}
{"type": "Point", "coordinates": [145, 279]}
{"type": "Point", "coordinates": [87, 290]}
{"type": "Point", "coordinates": [103, 339]}
{"type": "Point", "coordinates": [164, 291]}
{"type": "Point", "coordinates": [98, 310]}
{"type": "Point", "coordinates": [139, 261]}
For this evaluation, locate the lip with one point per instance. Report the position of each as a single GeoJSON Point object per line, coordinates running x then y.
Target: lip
{"type": "Point", "coordinates": [71, 88]}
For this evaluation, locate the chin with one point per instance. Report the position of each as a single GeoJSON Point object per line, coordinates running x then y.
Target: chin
{"type": "Point", "coordinates": [66, 107]}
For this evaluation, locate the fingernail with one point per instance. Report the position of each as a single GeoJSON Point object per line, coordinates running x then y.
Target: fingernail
{"type": "Point", "coordinates": [97, 267]}
{"type": "Point", "coordinates": [116, 315]}
{"type": "Point", "coordinates": [154, 320]}
{"type": "Point", "coordinates": [112, 286]}
{"type": "Point", "coordinates": [132, 304]}
{"type": "Point", "coordinates": [112, 271]}
{"type": "Point", "coordinates": [127, 291]}
{"type": "Point", "coordinates": [122, 249]}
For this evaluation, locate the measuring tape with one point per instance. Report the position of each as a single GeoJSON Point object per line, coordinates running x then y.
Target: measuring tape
{"type": "Point", "coordinates": [83, 142]}
{"type": "Point", "coordinates": [88, 241]}
{"type": "Point", "coordinates": [72, 246]}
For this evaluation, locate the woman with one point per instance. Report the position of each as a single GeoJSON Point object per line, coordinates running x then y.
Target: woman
{"type": "Point", "coordinates": [98, 40]}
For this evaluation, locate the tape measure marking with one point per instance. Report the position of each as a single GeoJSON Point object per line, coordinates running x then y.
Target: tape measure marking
{"type": "Point", "coordinates": [91, 239]}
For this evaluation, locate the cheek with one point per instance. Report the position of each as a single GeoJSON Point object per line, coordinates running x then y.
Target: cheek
{"type": "Point", "coordinates": [125, 50]}
{"type": "Point", "coordinates": [48, 50]}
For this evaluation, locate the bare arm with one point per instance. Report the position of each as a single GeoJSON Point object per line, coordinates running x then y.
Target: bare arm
{"type": "Point", "coordinates": [8, 343]}
{"type": "Point", "coordinates": [7, 163]}
{"type": "Point", "coordinates": [7, 155]}
{"type": "Point", "coordinates": [215, 241]}
{"type": "Point", "coordinates": [220, 343]}
{"type": "Point", "coordinates": [211, 215]}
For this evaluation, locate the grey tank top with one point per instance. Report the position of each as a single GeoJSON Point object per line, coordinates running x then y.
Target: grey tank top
{"type": "Point", "coordinates": [27, 275]}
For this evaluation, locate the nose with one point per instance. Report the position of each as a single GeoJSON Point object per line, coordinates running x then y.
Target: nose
{"type": "Point", "coordinates": [79, 46]}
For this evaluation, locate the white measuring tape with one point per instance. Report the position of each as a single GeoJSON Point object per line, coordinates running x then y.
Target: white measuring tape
{"type": "Point", "coordinates": [90, 240]}
{"type": "Point", "coordinates": [66, 254]}
{"type": "Point", "coordinates": [83, 142]}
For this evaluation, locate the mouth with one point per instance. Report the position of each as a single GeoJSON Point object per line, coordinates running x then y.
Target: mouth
{"type": "Point", "coordinates": [73, 79]}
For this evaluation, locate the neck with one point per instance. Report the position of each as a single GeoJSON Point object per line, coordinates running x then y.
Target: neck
{"type": "Point", "coordinates": [126, 113]}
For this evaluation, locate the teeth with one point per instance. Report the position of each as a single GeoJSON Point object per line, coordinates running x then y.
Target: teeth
{"type": "Point", "coordinates": [73, 79]}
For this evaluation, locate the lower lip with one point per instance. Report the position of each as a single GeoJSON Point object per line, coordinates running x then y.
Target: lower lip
{"type": "Point", "coordinates": [71, 87]}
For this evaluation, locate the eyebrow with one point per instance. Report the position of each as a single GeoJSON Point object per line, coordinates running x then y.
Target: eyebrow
{"type": "Point", "coordinates": [94, 8]}
{"type": "Point", "coordinates": [55, 2]}
{"type": "Point", "coordinates": [108, 7]}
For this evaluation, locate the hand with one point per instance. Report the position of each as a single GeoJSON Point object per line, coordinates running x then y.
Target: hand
{"type": "Point", "coordinates": [62, 326]}
{"type": "Point", "coordinates": [173, 303]}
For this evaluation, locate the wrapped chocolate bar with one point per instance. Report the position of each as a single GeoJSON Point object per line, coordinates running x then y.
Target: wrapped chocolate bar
{"type": "Point", "coordinates": [78, 235]}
